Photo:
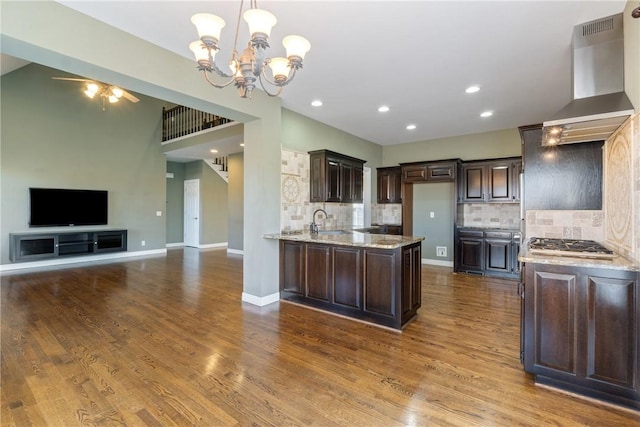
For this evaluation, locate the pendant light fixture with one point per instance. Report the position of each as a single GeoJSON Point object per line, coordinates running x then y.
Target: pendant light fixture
{"type": "Point", "coordinates": [251, 65]}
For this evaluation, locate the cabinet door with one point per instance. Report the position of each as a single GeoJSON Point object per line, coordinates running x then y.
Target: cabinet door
{"type": "Point", "coordinates": [498, 255]}
{"type": "Point", "coordinates": [471, 255]}
{"type": "Point", "coordinates": [516, 170]}
{"type": "Point", "coordinates": [472, 187]}
{"type": "Point", "coordinates": [411, 281]}
{"type": "Point", "coordinates": [318, 276]}
{"type": "Point", "coordinates": [110, 241]}
{"type": "Point", "coordinates": [416, 173]}
{"type": "Point", "coordinates": [347, 276]}
{"type": "Point", "coordinates": [292, 267]}
{"type": "Point", "coordinates": [551, 322]}
{"type": "Point", "coordinates": [612, 334]}
{"type": "Point", "coordinates": [380, 282]}
{"type": "Point", "coordinates": [441, 172]}
{"type": "Point", "coordinates": [334, 184]}
{"type": "Point", "coordinates": [500, 181]}
{"type": "Point", "coordinates": [357, 187]}
{"type": "Point", "coordinates": [318, 190]}
{"type": "Point", "coordinates": [384, 186]}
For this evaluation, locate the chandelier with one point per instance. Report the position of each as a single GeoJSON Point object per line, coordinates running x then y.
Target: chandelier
{"type": "Point", "coordinates": [251, 65]}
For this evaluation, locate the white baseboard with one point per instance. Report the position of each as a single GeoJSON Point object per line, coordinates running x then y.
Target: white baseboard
{"type": "Point", "coordinates": [437, 262]}
{"type": "Point", "coordinates": [261, 301]}
{"type": "Point", "coordinates": [79, 259]}
{"type": "Point", "coordinates": [213, 245]}
{"type": "Point", "coordinates": [175, 245]}
{"type": "Point", "coordinates": [235, 251]}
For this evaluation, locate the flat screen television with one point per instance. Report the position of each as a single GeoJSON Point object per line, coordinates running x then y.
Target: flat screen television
{"type": "Point", "coordinates": [50, 207]}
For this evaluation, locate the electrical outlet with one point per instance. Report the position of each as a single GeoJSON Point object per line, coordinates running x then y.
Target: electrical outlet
{"type": "Point", "coordinates": [432, 214]}
{"type": "Point", "coordinates": [143, 243]}
{"type": "Point", "coordinates": [441, 251]}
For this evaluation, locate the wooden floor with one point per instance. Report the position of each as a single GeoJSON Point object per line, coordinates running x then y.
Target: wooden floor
{"type": "Point", "coordinates": [166, 341]}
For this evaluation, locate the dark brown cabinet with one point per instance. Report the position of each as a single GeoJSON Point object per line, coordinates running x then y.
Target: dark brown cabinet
{"type": "Point", "coordinates": [390, 185]}
{"type": "Point", "coordinates": [487, 252]}
{"type": "Point", "coordinates": [381, 286]}
{"type": "Point", "coordinates": [580, 330]}
{"type": "Point", "coordinates": [335, 177]}
{"type": "Point", "coordinates": [490, 181]}
{"type": "Point", "coordinates": [441, 171]}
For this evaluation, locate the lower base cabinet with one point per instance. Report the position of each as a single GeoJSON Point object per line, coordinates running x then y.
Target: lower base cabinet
{"type": "Point", "coordinates": [580, 330]}
{"type": "Point", "coordinates": [487, 252]}
{"type": "Point", "coordinates": [381, 286]}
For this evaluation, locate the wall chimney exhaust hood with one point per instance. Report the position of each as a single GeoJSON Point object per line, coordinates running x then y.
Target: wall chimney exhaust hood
{"type": "Point", "coordinates": [599, 103]}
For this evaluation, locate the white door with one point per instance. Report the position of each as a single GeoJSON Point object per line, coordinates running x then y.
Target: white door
{"type": "Point", "coordinates": [192, 212]}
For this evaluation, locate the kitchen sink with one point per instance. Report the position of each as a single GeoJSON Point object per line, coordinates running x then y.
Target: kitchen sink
{"type": "Point", "coordinates": [334, 232]}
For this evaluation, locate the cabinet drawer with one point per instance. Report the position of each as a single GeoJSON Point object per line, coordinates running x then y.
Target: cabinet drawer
{"type": "Point", "coordinates": [497, 235]}
{"type": "Point", "coordinates": [471, 233]}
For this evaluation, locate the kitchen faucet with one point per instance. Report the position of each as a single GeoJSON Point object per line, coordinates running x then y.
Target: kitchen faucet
{"type": "Point", "coordinates": [313, 227]}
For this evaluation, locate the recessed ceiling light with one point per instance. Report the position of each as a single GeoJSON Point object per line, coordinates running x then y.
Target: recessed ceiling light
{"type": "Point", "coordinates": [472, 89]}
{"type": "Point", "coordinates": [242, 144]}
{"type": "Point", "coordinates": [383, 109]}
{"type": "Point", "coordinates": [411, 127]}
{"type": "Point", "coordinates": [316, 103]}
{"type": "Point", "coordinates": [486, 114]}
{"type": "Point", "coordinates": [214, 151]}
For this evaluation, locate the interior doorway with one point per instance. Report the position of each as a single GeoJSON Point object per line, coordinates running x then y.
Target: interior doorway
{"type": "Point", "coordinates": [192, 212]}
{"type": "Point", "coordinates": [434, 217]}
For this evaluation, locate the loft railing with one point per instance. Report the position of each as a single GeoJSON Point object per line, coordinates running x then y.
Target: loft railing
{"type": "Point", "coordinates": [181, 121]}
{"type": "Point", "coordinates": [223, 162]}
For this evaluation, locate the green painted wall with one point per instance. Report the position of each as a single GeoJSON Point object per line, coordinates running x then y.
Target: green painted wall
{"type": "Point", "coordinates": [175, 203]}
{"type": "Point", "coordinates": [213, 202]}
{"type": "Point", "coordinates": [236, 201]}
{"type": "Point", "coordinates": [503, 143]}
{"type": "Point", "coordinates": [438, 231]}
{"type": "Point", "coordinates": [54, 136]}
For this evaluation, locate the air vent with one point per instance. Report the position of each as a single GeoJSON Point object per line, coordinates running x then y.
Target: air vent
{"type": "Point", "coordinates": [596, 27]}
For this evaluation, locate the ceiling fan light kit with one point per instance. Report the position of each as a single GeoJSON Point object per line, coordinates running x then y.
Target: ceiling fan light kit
{"type": "Point", "coordinates": [106, 91]}
{"type": "Point", "coordinates": [251, 64]}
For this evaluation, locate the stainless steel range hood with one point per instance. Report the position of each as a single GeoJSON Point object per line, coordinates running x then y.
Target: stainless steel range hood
{"type": "Point", "coordinates": [599, 103]}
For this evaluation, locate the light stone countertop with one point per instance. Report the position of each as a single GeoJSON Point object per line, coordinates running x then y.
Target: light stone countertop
{"type": "Point", "coordinates": [349, 238]}
{"type": "Point", "coordinates": [617, 263]}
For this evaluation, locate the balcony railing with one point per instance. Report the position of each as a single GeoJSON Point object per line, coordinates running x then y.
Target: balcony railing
{"type": "Point", "coordinates": [181, 121]}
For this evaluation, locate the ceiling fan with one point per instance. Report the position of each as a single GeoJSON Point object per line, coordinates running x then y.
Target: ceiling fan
{"type": "Point", "coordinates": [108, 93]}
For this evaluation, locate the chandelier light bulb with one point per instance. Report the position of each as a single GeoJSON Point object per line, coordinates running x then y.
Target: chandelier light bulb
{"type": "Point", "coordinates": [209, 26]}
{"type": "Point", "coordinates": [260, 22]}
{"type": "Point", "coordinates": [279, 68]}
{"type": "Point", "coordinates": [296, 46]}
{"type": "Point", "coordinates": [200, 51]}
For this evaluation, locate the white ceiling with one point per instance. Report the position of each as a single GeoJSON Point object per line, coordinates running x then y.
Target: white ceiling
{"type": "Point", "coordinates": [417, 57]}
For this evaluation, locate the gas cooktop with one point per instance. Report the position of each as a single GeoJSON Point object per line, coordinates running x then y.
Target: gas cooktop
{"type": "Point", "coordinates": [569, 247]}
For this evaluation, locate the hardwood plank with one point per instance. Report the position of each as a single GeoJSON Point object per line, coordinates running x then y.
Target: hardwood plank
{"type": "Point", "coordinates": [168, 341]}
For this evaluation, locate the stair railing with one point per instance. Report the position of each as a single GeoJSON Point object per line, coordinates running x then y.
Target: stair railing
{"type": "Point", "coordinates": [181, 121]}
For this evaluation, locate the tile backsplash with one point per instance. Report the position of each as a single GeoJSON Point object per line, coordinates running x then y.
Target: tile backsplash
{"type": "Point", "coordinates": [386, 213]}
{"type": "Point", "coordinates": [565, 224]}
{"type": "Point", "coordinates": [489, 215]}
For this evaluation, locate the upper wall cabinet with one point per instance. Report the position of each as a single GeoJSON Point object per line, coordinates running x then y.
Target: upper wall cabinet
{"type": "Point", "coordinates": [490, 181]}
{"type": "Point", "coordinates": [390, 185]}
{"type": "Point", "coordinates": [335, 177]}
{"type": "Point", "coordinates": [441, 171]}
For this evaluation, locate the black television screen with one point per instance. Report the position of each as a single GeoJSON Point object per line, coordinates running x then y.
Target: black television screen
{"type": "Point", "coordinates": [61, 207]}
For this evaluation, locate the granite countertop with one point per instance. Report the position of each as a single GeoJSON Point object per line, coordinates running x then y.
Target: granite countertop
{"type": "Point", "coordinates": [348, 238]}
{"type": "Point", "coordinates": [617, 263]}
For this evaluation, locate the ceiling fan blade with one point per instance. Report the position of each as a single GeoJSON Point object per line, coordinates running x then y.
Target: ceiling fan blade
{"type": "Point", "coordinates": [128, 96]}
{"type": "Point", "coordinates": [72, 79]}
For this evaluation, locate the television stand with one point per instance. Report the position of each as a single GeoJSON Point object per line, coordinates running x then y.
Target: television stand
{"type": "Point", "coordinates": [40, 246]}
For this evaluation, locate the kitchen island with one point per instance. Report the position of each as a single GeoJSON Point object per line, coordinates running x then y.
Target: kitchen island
{"type": "Point", "coordinates": [374, 278]}
{"type": "Point", "coordinates": [580, 325]}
